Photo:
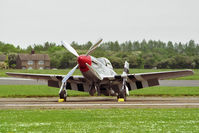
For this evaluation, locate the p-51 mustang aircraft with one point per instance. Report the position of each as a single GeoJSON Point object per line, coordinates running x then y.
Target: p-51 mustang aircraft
{"type": "Point", "coordinates": [99, 76]}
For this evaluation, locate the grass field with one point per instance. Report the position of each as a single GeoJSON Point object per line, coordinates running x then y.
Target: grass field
{"type": "Point", "coordinates": [77, 72]}
{"type": "Point", "coordinates": [100, 120]}
{"type": "Point", "coordinates": [45, 91]}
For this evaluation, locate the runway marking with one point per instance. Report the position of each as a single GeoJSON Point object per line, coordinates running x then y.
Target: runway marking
{"type": "Point", "coordinates": [70, 105]}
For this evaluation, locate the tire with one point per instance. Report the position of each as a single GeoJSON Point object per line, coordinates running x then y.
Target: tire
{"type": "Point", "coordinates": [62, 95]}
{"type": "Point", "coordinates": [122, 94]}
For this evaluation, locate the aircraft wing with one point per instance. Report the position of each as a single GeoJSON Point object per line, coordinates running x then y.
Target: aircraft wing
{"type": "Point", "coordinates": [163, 75]}
{"type": "Point", "coordinates": [142, 80]}
{"type": "Point", "coordinates": [78, 83]}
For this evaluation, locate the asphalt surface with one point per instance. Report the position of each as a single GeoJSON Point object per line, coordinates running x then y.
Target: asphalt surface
{"type": "Point", "coordinates": [99, 102]}
{"type": "Point", "coordinates": [20, 81]}
{"type": "Point", "coordinates": [179, 82]}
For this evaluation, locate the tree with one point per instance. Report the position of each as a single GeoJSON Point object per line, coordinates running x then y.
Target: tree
{"type": "Point", "coordinates": [191, 48]}
{"type": "Point", "coordinates": [116, 62]}
{"type": "Point", "coordinates": [67, 60]}
{"type": "Point", "coordinates": [196, 60]}
{"type": "Point", "coordinates": [139, 54]}
{"type": "Point", "coordinates": [12, 61]}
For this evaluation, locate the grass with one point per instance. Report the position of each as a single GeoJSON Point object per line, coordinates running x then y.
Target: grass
{"type": "Point", "coordinates": [119, 71]}
{"type": "Point", "coordinates": [100, 120]}
{"type": "Point", "coordinates": [45, 91]}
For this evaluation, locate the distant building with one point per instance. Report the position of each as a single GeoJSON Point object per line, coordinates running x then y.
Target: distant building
{"type": "Point", "coordinates": [2, 58]}
{"type": "Point", "coordinates": [33, 61]}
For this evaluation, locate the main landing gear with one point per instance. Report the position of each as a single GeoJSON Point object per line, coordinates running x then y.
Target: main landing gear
{"type": "Point", "coordinates": [121, 95]}
{"type": "Point", "coordinates": [63, 94]}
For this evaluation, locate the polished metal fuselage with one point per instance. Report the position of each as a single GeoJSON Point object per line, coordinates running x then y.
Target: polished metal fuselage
{"type": "Point", "coordinates": [102, 67]}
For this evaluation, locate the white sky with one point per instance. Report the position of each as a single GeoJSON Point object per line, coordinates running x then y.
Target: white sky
{"type": "Point", "coordinates": [25, 22]}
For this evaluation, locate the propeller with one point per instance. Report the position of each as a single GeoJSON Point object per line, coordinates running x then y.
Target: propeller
{"type": "Point", "coordinates": [124, 86]}
{"type": "Point", "coordinates": [74, 52]}
{"type": "Point", "coordinates": [70, 73]}
{"type": "Point", "coordinates": [93, 47]}
{"type": "Point", "coordinates": [125, 72]}
{"type": "Point", "coordinates": [70, 49]}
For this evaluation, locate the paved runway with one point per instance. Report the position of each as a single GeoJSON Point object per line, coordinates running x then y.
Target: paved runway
{"type": "Point", "coordinates": [20, 81]}
{"type": "Point", "coordinates": [179, 82]}
{"type": "Point", "coordinates": [99, 102]}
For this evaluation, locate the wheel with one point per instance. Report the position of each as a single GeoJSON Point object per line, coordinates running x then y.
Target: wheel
{"type": "Point", "coordinates": [122, 94]}
{"type": "Point", "coordinates": [92, 91]}
{"type": "Point", "coordinates": [62, 95]}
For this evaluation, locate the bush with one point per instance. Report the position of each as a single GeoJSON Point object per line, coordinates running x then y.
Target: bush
{"type": "Point", "coordinates": [3, 65]}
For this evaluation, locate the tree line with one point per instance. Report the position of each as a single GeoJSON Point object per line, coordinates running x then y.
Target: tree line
{"type": "Point", "coordinates": [140, 54]}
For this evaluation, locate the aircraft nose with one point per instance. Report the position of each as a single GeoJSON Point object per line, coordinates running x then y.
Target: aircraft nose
{"type": "Point", "coordinates": [82, 60]}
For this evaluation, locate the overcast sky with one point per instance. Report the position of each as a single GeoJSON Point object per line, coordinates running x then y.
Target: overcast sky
{"type": "Point", "coordinates": [25, 22]}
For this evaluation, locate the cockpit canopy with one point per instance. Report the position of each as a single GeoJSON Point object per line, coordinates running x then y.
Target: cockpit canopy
{"type": "Point", "coordinates": [105, 61]}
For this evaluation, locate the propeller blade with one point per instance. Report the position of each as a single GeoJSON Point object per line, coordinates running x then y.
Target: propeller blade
{"type": "Point", "coordinates": [124, 74]}
{"type": "Point", "coordinates": [67, 77]}
{"type": "Point", "coordinates": [124, 86]}
{"type": "Point", "coordinates": [61, 88]}
{"type": "Point", "coordinates": [93, 47]}
{"type": "Point", "coordinates": [127, 90]}
{"type": "Point", "coordinates": [69, 74]}
{"type": "Point", "coordinates": [70, 48]}
{"type": "Point", "coordinates": [94, 72]}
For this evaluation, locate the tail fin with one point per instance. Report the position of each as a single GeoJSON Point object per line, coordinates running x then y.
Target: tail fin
{"type": "Point", "coordinates": [126, 68]}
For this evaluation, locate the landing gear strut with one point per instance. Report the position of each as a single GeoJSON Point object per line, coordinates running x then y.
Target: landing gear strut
{"type": "Point", "coordinates": [94, 87]}
{"type": "Point", "coordinates": [63, 93]}
{"type": "Point", "coordinates": [92, 90]}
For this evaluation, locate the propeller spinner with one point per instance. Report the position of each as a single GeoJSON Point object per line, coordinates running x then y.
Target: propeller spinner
{"type": "Point", "coordinates": [82, 60]}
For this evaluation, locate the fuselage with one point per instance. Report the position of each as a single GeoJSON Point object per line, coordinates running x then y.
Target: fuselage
{"type": "Point", "coordinates": [98, 67]}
